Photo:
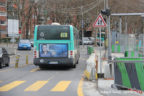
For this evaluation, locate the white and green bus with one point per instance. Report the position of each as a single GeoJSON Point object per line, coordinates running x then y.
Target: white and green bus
{"type": "Point", "coordinates": [56, 45]}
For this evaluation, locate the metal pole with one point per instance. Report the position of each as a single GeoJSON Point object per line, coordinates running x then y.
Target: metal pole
{"type": "Point", "coordinates": [143, 33]}
{"type": "Point", "coordinates": [126, 38]}
{"type": "Point", "coordinates": [104, 4]}
{"type": "Point", "coordinates": [109, 33]}
{"type": "Point", "coordinates": [100, 51]}
{"type": "Point", "coordinates": [82, 23]}
{"type": "Point", "coordinates": [13, 29]}
{"type": "Point", "coordinates": [120, 24]}
{"type": "Point", "coordinates": [109, 38]}
{"type": "Point", "coordinates": [120, 30]}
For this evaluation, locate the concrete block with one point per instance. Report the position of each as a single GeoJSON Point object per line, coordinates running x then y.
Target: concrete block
{"type": "Point", "coordinates": [108, 71]}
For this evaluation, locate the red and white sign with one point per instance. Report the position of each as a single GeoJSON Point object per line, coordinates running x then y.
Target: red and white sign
{"type": "Point", "coordinates": [19, 31]}
{"type": "Point", "coordinates": [99, 22]}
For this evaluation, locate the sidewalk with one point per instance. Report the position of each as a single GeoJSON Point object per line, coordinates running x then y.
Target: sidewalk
{"type": "Point", "coordinates": [104, 86]}
{"type": "Point", "coordinates": [12, 49]}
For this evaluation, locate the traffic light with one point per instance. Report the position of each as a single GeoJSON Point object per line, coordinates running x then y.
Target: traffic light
{"type": "Point", "coordinates": [106, 12]}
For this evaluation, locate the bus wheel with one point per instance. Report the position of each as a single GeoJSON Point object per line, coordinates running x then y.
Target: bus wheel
{"type": "Point", "coordinates": [74, 66]}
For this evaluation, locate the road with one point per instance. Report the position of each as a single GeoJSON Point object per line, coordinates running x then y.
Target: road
{"type": "Point", "coordinates": [29, 80]}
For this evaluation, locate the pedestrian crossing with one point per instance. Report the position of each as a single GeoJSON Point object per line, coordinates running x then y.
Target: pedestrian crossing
{"type": "Point", "coordinates": [36, 86]}
{"type": "Point", "coordinates": [10, 86]}
{"type": "Point", "coordinates": [60, 86]}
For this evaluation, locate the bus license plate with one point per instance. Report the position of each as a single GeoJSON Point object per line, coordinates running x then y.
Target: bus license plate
{"type": "Point", "coordinates": [53, 62]}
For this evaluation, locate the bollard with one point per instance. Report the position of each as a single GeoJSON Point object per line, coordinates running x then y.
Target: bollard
{"type": "Point", "coordinates": [96, 67]}
{"type": "Point", "coordinates": [17, 61]}
{"type": "Point", "coordinates": [26, 59]}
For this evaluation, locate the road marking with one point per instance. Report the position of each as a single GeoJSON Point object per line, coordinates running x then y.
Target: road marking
{"type": "Point", "coordinates": [80, 90]}
{"type": "Point", "coordinates": [25, 65]}
{"type": "Point", "coordinates": [61, 86]}
{"type": "Point", "coordinates": [35, 69]}
{"type": "Point", "coordinates": [36, 86]}
{"type": "Point", "coordinates": [10, 86]}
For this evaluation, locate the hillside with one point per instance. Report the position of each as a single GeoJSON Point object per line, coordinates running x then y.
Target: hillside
{"type": "Point", "coordinates": [129, 6]}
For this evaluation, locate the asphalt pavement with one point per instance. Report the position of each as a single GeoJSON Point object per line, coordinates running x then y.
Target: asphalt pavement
{"type": "Point", "coordinates": [30, 80]}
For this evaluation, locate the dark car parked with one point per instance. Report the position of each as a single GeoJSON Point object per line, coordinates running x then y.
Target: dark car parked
{"type": "Point", "coordinates": [4, 57]}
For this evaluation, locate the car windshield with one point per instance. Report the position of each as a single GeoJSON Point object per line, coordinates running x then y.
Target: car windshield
{"type": "Point", "coordinates": [24, 41]}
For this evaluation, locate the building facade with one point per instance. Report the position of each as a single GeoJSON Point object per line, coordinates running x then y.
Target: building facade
{"type": "Point", "coordinates": [3, 18]}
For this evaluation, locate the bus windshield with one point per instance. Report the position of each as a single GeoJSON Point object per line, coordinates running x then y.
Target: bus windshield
{"type": "Point", "coordinates": [53, 32]}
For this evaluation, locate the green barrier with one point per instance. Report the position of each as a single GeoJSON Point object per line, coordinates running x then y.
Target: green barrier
{"type": "Point", "coordinates": [118, 49]}
{"type": "Point", "coordinates": [132, 54]}
{"type": "Point", "coordinates": [90, 50]}
{"type": "Point", "coordinates": [140, 55]}
{"type": "Point", "coordinates": [129, 73]}
{"type": "Point", "coordinates": [126, 53]}
{"type": "Point", "coordinates": [113, 48]}
{"type": "Point", "coordinates": [137, 47]}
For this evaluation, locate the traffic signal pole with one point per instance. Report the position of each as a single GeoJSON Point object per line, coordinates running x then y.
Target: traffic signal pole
{"type": "Point", "coordinates": [109, 38]}
{"type": "Point", "coordinates": [82, 24]}
{"type": "Point", "coordinates": [106, 12]}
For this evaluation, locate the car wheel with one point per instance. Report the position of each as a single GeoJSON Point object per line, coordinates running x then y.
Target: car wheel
{"type": "Point", "coordinates": [1, 64]}
{"type": "Point", "coordinates": [7, 63]}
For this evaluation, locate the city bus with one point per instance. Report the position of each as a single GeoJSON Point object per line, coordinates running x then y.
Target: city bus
{"type": "Point", "coordinates": [56, 45]}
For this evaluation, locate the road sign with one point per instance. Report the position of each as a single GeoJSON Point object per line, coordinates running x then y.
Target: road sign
{"type": "Point", "coordinates": [19, 31]}
{"type": "Point", "coordinates": [99, 22]}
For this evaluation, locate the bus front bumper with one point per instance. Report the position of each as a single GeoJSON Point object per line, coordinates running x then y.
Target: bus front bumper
{"type": "Point", "coordinates": [62, 61]}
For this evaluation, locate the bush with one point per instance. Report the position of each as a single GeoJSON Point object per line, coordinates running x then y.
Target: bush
{"type": "Point", "coordinates": [7, 40]}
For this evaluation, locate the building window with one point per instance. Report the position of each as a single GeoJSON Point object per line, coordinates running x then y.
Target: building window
{"type": "Point", "coordinates": [2, 4]}
{"type": "Point", "coordinates": [2, 22]}
{"type": "Point", "coordinates": [3, 14]}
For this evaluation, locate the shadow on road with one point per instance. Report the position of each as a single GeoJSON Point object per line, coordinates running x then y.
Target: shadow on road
{"type": "Point", "coordinates": [55, 68]}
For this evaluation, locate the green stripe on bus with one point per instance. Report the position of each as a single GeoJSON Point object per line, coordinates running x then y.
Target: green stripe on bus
{"type": "Point", "coordinates": [125, 78]}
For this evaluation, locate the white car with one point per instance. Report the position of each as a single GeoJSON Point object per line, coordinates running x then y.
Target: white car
{"type": "Point", "coordinates": [86, 41]}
